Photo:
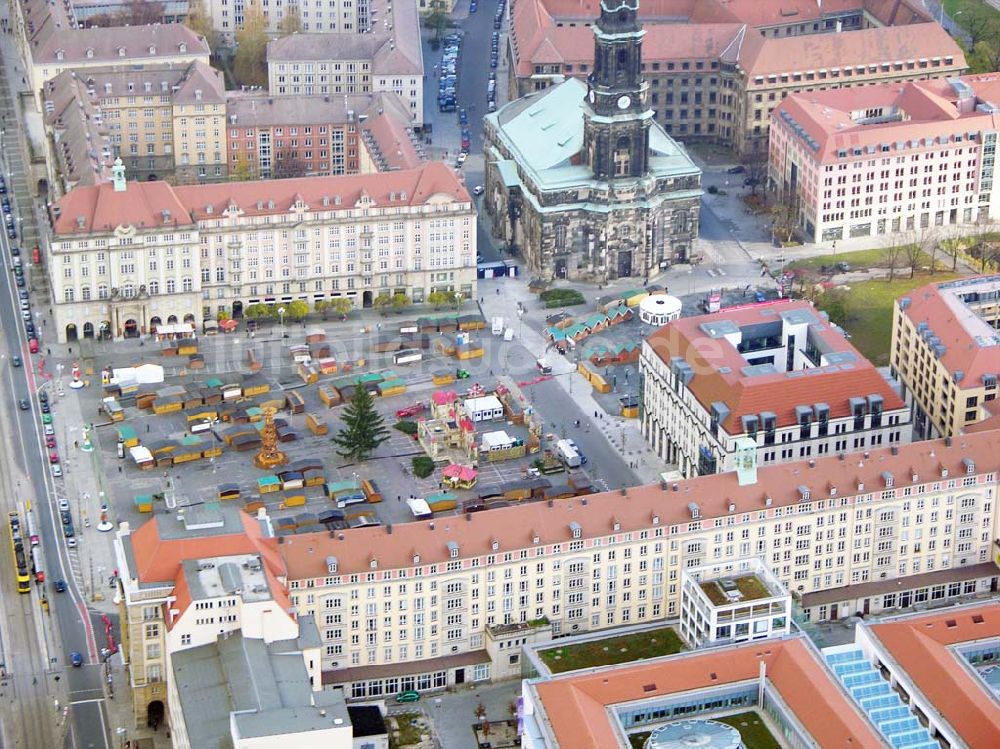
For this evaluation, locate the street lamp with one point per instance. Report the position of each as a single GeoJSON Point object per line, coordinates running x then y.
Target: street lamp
{"type": "Point", "coordinates": [281, 319]}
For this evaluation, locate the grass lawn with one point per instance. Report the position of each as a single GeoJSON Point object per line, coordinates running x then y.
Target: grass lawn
{"type": "Point", "coordinates": [858, 260]}
{"type": "Point", "coordinates": [749, 586]}
{"type": "Point", "coordinates": [869, 311]}
{"type": "Point", "coordinates": [409, 733]}
{"type": "Point", "coordinates": [755, 734]}
{"type": "Point", "coordinates": [649, 644]}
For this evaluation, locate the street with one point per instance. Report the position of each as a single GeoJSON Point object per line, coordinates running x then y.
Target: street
{"type": "Point", "coordinates": [36, 657]}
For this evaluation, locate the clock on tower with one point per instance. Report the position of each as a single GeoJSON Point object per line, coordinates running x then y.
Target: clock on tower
{"type": "Point", "coordinates": [617, 120]}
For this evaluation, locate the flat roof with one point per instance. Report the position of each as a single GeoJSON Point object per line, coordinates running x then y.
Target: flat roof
{"type": "Point", "coordinates": [921, 645]}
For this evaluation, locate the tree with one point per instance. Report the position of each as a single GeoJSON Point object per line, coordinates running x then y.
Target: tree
{"type": "Point", "coordinates": [249, 66]}
{"type": "Point", "coordinates": [320, 306]}
{"type": "Point", "coordinates": [291, 23]}
{"type": "Point", "coordinates": [785, 216]}
{"type": "Point", "coordinates": [200, 23]}
{"type": "Point", "coordinates": [256, 312]}
{"type": "Point", "coordinates": [364, 429]}
{"type": "Point", "coordinates": [437, 21]}
{"type": "Point", "coordinates": [756, 167]}
{"type": "Point", "coordinates": [141, 13]}
{"type": "Point", "coordinates": [834, 303]}
{"type": "Point", "coordinates": [289, 167]}
{"type": "Point", "coordinates": [891, 255]}
{"type": "Point", "coordinates": [242, 170]}
{"type": "Point", "coordinates": [297, 310]}
{"type": "Point", "coordinates": [222, 316]}
{"type": "Point", "coordinates": [480, 713]}
{"type": "Point", "coordinates": [399, 301]}
{"type": "Point", "coordinates": [440, 298]}
{"type": "Point", "coordinates": [341, 305]}
{"type": "Point", "coordinates": [382, 302]}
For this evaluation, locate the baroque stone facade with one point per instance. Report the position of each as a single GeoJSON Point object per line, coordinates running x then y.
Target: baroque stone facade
{"type": "Point", "coordinates": [581, 180]}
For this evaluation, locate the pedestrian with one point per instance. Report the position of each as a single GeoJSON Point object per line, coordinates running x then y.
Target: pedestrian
{"type": "Point", "coordinates": [119, 469]}
{"type": "Point", "coordinates": [595, 414]}
{"type": "Point", "coordinates": [48, 351]}
{"type": "Point", "coordinates": [76, 444]}
{"type": "Point", "coordinates": [399, 498]}
{"type": "Point", "coordinates": [481, 300]}
{"type": "Point", "coordinates": [498, 292]}
{"type": "Point", "coordinates": [147, 428]}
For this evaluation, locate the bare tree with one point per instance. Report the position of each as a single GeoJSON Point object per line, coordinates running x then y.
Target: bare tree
{"type": "Point", "coordinates": [141, 13]}
{"type": "Point", "coordinates": [916, 248]}
{"type": "Point", "coordinates": [892, 254]}
{"type": "Point", "coordinates": [979, 22]}
{"type": "Point", "coordinates": [756, 167]}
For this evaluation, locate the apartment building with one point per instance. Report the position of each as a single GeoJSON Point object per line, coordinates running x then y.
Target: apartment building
{"type": "Point", "coordinates": [424, 605]}
{"type": "Point", "coordinates": [316, 16]}
{"type": "Point", "coordinates": [50, 42]}
{"type": "Point", "coordinates": [164, 121]}
{"type": "Point", "coordinates": [126, 257]}
{"type": "Point", "coordinates": [887, 159]}
{"type": "Point", "coordinates": [775, 380]}
{"type": "Point", "coordinates": [717, 69]}
{"type": "Point", "coordinates": [946, 353]}
{"type": "Point", "coordinates": [389, 59]}
{"type": "Point", "coordinates": [319, 135]}
{"type": "Point", "coordinates": [172, 599]}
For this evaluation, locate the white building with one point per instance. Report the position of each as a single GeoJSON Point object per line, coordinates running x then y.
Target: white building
{"type": "Point", "coordinates": [388, 58]}
{"type": "Point", "coordinates": [127, 257]}
{"type": "Point", "coordinates": [774, 378]}
{"type": "Point", "coordinates": [484, 408]}
{"type": "Point", "coordinates": [733, 602]}
{"type": "Point", "coordinates": [351, 16]}
{"type": "Point", "coordinates": [879, 159]}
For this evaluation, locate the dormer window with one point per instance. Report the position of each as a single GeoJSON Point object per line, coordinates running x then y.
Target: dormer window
{"type": "Point", "coordinates": [152, 49]}
{"type": "Point", "coordinates": [452, 550]}
{"type": "Point", "coordinates": [121, 51]}
{"type": "Point", "coordinates": [373, 563]}
{"type": "Point", "coordinates": [804, 493]}
{"type": "Point", "coordinates": [616, 526]}
{"type": "Point", "coordinates": [331, 565]}
{"type": "Point", "coordinates": [416, 559]}
{"type": "Point", "coordinates": [656, 519]}
{"type": "Point", "coordinates": [575, 530]}
{"type": "Point", "coordinates": [182, 47]}
{"type": "Point", "coordinates": [535, 539]}
{"type": "Point", "coordinates": [970, 466]}
{"type": "Point", "coordinates": [60, 55]}
{"type": "Point", "coordinates": [495, 545]}
{"type": "Point", "coordinates": [89, 52]}
{"type": "Point", "coordinates": [888, 479]}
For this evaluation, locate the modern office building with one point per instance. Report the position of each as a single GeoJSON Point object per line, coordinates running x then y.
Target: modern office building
{"type": "Point", "coordinates": [773, 379]}
{"type": "Point", "coordinates": [126, 257]}
{"type": "Point", "coordinates": [716, 68]}
{"type": "Point", "coordinates": [731, 602]}
{"type": "Point", "coordinates": [886, 159]}
{"type": "Point", "coordinates": [580, 179]}
{"type": "Point", "coordinates": [389, 58]}
{"type": "Point", "coordinates": [783, 682]}
{"type": "Point", "coordinates": [946, 353]}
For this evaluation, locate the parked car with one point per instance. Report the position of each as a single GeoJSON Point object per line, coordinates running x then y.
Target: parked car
{"type": "Point", "coordinates": [411, 410]}
{"type": "Point", "coordinates": [75, 659]}
{"type": "Point", "coordinates": [738, 169]}
{"type": "Point", "coordinates": [478, 190]}
{"type": "Point", "coordinates": [50, 441]}
{"type": "Point", "coordinates": [68, 530]}
{"type": "Point", "coordinates": [57, 471]}
{"type": "Point", "coordinates": [63, 504]}
{"type": "Point", "coordinates": [408, 696]}
{"type": "Point", "coordinates": [53, 457]}
{"type": "Point", "coordinates": [66, 517]}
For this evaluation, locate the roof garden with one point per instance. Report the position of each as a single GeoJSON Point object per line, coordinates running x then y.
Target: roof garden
{"type": "Point", "coordinates": [724, 590]}
{"type": "Point", "coordinates": [636, 646]}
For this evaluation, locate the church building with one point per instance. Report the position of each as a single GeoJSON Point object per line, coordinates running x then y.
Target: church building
{"type": "Point", "coordinates": [580, 179]}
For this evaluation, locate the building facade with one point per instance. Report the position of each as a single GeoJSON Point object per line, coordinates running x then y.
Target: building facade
{"type": "Point", "coordinates": [315, 16]}
{"type": "Point", "coordinates": [774, 379]}
{"type": "Point", "coordinates": [389, 58]}
{"type": "Point", "coordinates": [51, 42]}
{"type": "Point", "coordinates": [946, 353]}
{"type": "Point", "coordinates": [582, 181]}
{"type": "Point", "coordinates": [887, 159]}
{"type": "Point", "coordinates": [319, 135]}
{"type": "Point", "coordinates": [129, 256]}
{"type": "Point", "coordinates": [717, 69]}
{"type": "Point", "coordinates": [421, 601]}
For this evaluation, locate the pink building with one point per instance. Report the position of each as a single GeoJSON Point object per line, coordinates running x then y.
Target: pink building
{"type": "Point", "coordinates": [901, 157]}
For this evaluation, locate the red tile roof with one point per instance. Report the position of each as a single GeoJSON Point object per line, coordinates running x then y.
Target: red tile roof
{"type": "Point", "coordinates": [143, 203]}
{"type": "Point", "coordinates": [972, 346]}
{"type": "Point", "coordinates": [577, 707]}
{"type": "Point", "coordinates": [514, 527]}
{"type": "Point", "coordinates": [718, 375]}
{"type": "Point", "coordinates": [919, 644]}
{"type": "Point", "coordinates": [930, 109]}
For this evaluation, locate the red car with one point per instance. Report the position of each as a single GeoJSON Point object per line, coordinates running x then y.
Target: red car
{"type": "Point", "coordinates": [53, 457]}
{"type": "Point", "coordinates": [50, 441]}
{"type": "Point", "coordinates": [413, 410]}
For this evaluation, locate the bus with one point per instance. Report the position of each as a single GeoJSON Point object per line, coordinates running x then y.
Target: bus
{"type": "Point", "coordinates": [20, 560]}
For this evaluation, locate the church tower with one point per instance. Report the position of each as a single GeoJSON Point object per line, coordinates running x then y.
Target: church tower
{"type": "Point", "coordinates": [617, 117]}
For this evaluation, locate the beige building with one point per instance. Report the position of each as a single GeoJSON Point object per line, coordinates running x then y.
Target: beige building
{"type": "Point", "coordinates": [164, 121]}
{"type": "Point", "coordinates": [126, 257]}
{"type": "Point", "coordinates": [51, 42]}
{"type": "Point", "coordinates": [389, 58]}
{"type": "Point", "coordinates": [317, 16]}
{"type": "Point", "coordinates": [716, 68]}
{"type": "Point", "coordinates": [946, 353]}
